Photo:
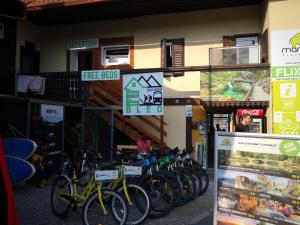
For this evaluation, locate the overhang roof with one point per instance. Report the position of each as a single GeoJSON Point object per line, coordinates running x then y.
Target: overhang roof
{"type": "Point", "coordinates": [11, 9]}
{"type": "Point", "coordinates": [51, 12]}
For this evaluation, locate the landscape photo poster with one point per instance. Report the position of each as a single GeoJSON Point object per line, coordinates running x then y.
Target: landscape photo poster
{"type": "Point", "coordinates": [246, 85]}
{"type": "Point", "coordinates": [257, 179]}
{"type": "Point", "coordinates": [143, 94]}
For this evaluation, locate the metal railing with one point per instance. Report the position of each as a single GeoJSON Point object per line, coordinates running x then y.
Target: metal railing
{"type": "Point", "coordinates": [234, 55]}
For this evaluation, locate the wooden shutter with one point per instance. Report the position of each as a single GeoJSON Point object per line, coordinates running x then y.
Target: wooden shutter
{"type": "Point", "coordinates": [229, 55]}
{"type": "Point", "coordinates": [163, 53]}
{"type": "Point", "coordinates": [178, 55]}
{"type": "Point", "coordinates": [229, 41]}
{"type": "Point", "coordinates": [264, 56]}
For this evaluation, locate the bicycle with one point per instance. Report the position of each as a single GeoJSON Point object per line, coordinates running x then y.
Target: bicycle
{"type": "Point", "coordinates": [64, 196]}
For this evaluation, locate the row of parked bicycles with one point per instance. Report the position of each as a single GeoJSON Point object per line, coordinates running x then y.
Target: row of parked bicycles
{"type": "Point", "coordinates": [129, 191]}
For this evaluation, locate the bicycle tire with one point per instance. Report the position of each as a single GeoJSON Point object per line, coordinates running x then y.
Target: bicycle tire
{"type": "Point", "coordinates": [142, 207]}
{"type": "Point", "coordinates": [93, 201]}
{"type": "Point", "coordinates": [187, 187]}
{"type": "Point", "coordinates": [62, 183]}
{"type": "Point", "coordinates": [197, 181]}
{"type": "Point", "coordinates": [154, 186]}
{"type": "Point", "coordinates": [204, 178]}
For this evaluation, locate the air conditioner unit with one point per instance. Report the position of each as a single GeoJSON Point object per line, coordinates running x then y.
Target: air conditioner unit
{"type": "Point", "coordinates": [116, 55]}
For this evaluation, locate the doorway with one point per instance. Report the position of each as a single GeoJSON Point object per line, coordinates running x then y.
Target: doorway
{"type": "Point", "coordinates": [216, 122]}
{"type": "Point", "coordinates": [81, 60]}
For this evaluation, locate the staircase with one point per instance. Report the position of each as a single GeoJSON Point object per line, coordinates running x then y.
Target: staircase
{"type": "Point", "coordinates": [108, 94]}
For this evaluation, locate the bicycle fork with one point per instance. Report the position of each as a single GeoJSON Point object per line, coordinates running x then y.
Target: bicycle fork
{"type": "Point", "coordinates": [126, 192]}
{"type": "Point", "coordinates": [99, 187]}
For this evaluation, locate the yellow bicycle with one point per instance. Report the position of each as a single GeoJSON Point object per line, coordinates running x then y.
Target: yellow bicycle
{"type": "Point", "coordinates": [110, 206]}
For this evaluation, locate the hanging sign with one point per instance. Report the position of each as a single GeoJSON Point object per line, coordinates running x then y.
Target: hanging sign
{"type": "Point", "coordinates": [251, 112]}
{"type": "Point", "coordinates": [52, 113]}
{"type": "Point", "coordinates": [83, 44]}
{"type": "Point", "coordinates": [143, 94]}
{"type": "Point", "coordinates": [189, 111]}
{"type": "Point", "coordinates": [94, 75]}
{"type": "Point", "coordinates": [257, 179]}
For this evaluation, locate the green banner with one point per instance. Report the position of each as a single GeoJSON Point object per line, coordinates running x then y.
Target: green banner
{"type": "Point", "coordinates": [285, 72]}
{"type": "Point", "coordinates": [286, 107]}
{"type": "Point", "coordinates": [94, 75]}
{"type": "Point", "coordinates": [249, 85]}
{"type": "Point", "coordinates": [83, 44]}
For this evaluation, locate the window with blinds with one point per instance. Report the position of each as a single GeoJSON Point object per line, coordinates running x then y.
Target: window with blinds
{"type": "Point", "coordinates": [172, 55]}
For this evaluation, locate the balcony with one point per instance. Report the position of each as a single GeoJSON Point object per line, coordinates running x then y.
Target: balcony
{"type": "Point", "coordinates": [60, 86]}
{"type": "Point", "coordinates": [238, 55]}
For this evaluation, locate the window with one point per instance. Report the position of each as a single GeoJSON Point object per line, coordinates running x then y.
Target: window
{"type": "Point", "coordinates": [245, 49]}
{"type": "Point", "coordinates": [172, 55]}
{"type": "Point", "coordinates": [247, 41]}
{"type": "Point", "coordinates": [115, 55]}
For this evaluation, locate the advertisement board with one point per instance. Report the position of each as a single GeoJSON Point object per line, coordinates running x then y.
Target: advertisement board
{"type": "Point", "coordinates": [285, 81]}
{"type": "Point", "coordinates": [257, 179]}
{"type": "Point", "coordinates": [143, 94]}
{"type": "Point", "coordinates": [250, 85]}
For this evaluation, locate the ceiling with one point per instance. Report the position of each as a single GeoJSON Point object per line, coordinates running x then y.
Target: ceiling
{"type": "Point", "coordinates": [53, 12]}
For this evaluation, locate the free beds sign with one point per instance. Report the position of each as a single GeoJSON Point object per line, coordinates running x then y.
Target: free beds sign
{"type": "Point", "coordinates": [257, 179]}
{"type": "Point", "coordinates": [95, 75]}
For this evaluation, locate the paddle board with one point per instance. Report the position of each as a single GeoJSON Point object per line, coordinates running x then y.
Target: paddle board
{"type": "Point", "coordinates": [19, 147]}
{"type": "Point", "coordinates": [19, 170]}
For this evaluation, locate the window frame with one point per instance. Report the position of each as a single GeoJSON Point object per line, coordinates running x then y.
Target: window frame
{"type": "Point", "coordinates": [103, 54]}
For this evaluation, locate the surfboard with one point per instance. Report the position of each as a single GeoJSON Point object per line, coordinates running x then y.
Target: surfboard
{"type": "Point", "coordinates": [19, 170]}
{"type": "Point", "coordinates": [19, 147]}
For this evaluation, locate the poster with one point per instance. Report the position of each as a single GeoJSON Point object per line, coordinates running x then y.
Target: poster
{"type": "Point", "coordinates": [250, 85]}
{"type": "Point", "coordinates": [285, 81]}
{"type": "Point", "coordinates": [52, 113]}
{"type": "Point", "coordinates": [143, 94]}
{"type": "Point", "coordinates": [257, 179]}
{"type": "Point", "coordinates": [286, 107]}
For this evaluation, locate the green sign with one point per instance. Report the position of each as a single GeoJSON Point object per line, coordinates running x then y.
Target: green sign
{"type": "Point", "coordinates": [249, 85]}
{"type": "Point", "coordinates": [285, 72]}
{"type": "Point", "coordinates": [83, 44]}
{"type": "Point", "coordinates": [286, 106]}
{"type": "Point", "coordinates": [289, 148]}
{"type": "Point", "coordinates": [143, 94]}
{"type": "Point", "coordinates": [94, 75]}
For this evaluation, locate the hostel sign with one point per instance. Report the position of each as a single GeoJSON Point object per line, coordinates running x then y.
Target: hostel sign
{"type": "Point", "coordinates": [143, 94]}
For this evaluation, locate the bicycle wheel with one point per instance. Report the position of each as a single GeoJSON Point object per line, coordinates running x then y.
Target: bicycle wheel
{"type": "Point", "coordinates": [61, 196]}
{"type": "Point", "coordinates": [92, 212]}
{"type": "Point", "coordinates": [187, 187]}
{"type": "Point", "coordinates": [204, 178]}
{"type": "Point", "coordinates": [161, 194]}
{"type": "Point", "coordinates": [197, 180]}
{"type": "Point", "coordinates": [140, 207]}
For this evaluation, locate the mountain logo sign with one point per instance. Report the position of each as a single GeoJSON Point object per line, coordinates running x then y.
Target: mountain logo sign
{"type": "Point", "coordinates": [143, 94]}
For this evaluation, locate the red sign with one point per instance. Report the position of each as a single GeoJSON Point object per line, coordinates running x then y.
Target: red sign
{"type": "Point", "coordinates": [251, 112]}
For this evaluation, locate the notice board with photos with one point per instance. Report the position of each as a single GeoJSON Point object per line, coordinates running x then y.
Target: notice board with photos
{"type": "Point", "coordinates": [257, 179]}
